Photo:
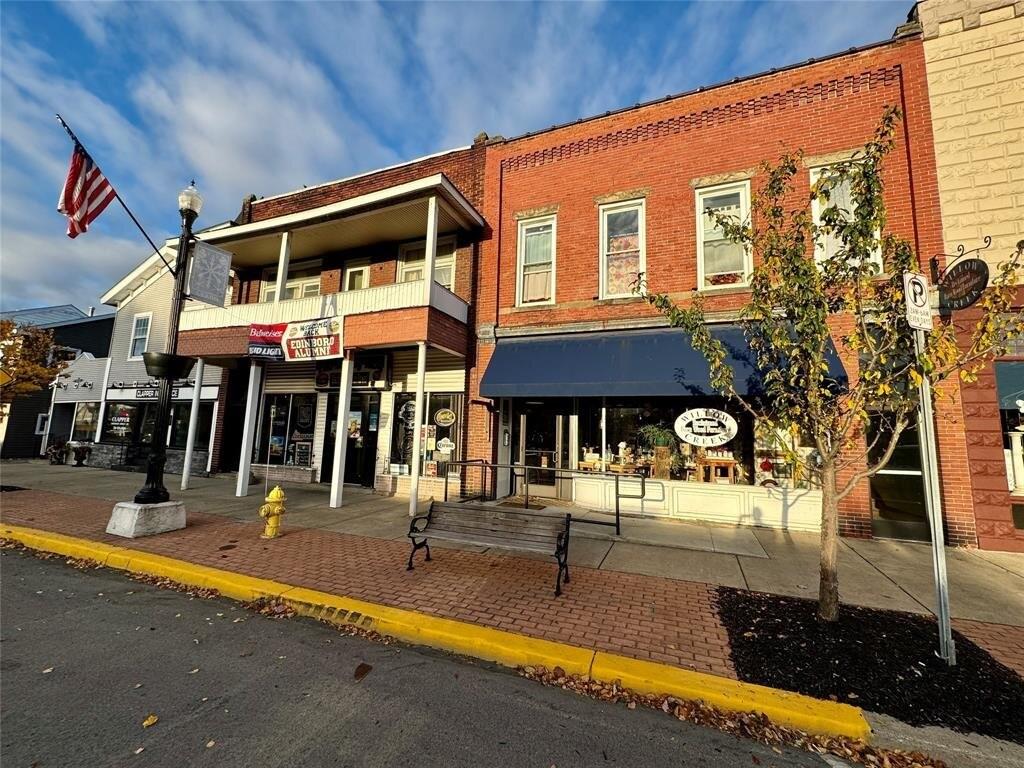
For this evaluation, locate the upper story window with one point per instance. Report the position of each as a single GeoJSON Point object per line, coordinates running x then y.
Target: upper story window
{"type": "Point", "coordinates": [140, 335]}
{"type": "Point", "coordinates": [411, 257]}
{"type": "Point", "coordinates": [830, 243]}
{"type": "Point", "coordinates": [301, 284]}
{"type": "Point", "coordinates": [720, 261]}
{"type": "Point", "coordinates": [535, 275]}
{"type": "Point", "coordinates": [623, 247]}
{"type": "Point", "coordinates": [356, 276]}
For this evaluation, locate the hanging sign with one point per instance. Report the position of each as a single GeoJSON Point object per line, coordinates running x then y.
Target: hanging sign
{"type": "Point", "coordinates": [915, 293]}
{"type": "Point", "coordinates": [706, 427]}
{"type": "Point", "coordinates": [265, 340]}
{"type": "Point", "coordinates": [318, 339]}
{"type": "Point", "coordinates": [963, 284]}
{"type": "Point", "coordinates": [208, 274]}
{"type": "Point", "coordinates": [445, 417]}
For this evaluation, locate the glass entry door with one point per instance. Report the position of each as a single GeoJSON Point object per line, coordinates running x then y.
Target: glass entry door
{"type": "Point", "coordinates": [897, 492]}
{"type": "Point", "coordinates": [361, 427]}
{"type": "Point", "coordinates": [543, 446]}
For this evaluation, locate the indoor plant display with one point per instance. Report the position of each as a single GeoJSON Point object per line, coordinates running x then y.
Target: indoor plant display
{"type": "Point", "coordinates": [664, 442]}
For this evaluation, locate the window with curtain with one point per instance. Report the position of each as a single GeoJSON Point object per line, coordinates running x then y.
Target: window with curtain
{"type": "Point", "coordinates": [537, 261]}
{"type": "Point", "coordinates": [722, 261]}
{"type": "Point", "coordinates": [86, 416]}
{"type": "Point", "coordinates": [622, 248]}
{"type": "Point", "coordinates": [829, 242]}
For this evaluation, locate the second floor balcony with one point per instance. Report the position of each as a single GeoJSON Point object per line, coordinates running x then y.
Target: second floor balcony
{"type": "Point", "coordinates": [410, 246]}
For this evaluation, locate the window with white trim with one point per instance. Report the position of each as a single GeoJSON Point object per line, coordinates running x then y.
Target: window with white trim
{"type": "Point", "coordinates": [41, 420]}
{"type": "Point", "coordinates": [830, 243]}
{"type": "Point", "coordinates": [623, 247]}
{"type": "Point", "coordinates": [140, 335]}
{"type": "Point", "coordinates": [356, 276]}
{"type": "Point", "coordinates": [535, 275]}
{"type": "Point", "coordinates": [301, 284]}
{"type": "Point", "coordinates": [411, 257]}
{"type": "Point", "coordinates": [720, 261]}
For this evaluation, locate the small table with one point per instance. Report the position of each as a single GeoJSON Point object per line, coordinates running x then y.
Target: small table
{"type": "Point", "coordinates": [711, 470]}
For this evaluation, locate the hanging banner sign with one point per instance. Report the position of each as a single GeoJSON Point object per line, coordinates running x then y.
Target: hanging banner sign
{"type": "Point", "coordinates": [265, 341]}
{"type": "Point", "coordinates": [209, 274]}
{"type": "Point", "coordinates": [963, 284]}
{"type": "Point", "coordinates": [706, 427]}
{"type": "Point", "coordinates": [313, 340]}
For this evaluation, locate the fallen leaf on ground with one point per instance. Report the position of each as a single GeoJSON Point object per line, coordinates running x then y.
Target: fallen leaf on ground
{"type": "Point", "coordinates": [151, 720]}
{"type": "Point", "coordinates": [210, 743]}
{"type": "Point", "coordinates": [192, 672]}
{"type": "Point", "coordinates": [139, 750]}
{"type": "Point", "coordinates": [362, 671]}
{"type": "Point", "coordinates": [138, 685]}
{"type": "Point", "coordinates": [48, 670]}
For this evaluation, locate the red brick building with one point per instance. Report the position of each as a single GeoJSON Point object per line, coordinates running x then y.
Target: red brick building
{"type": "Point", "coordinates": [487, 315]}
{"type": "Point", "coordinates": [575, 208]}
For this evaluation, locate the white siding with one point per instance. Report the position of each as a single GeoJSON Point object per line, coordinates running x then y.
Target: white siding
{"type": "Point", "coordinates": [445, 373]}
{"type": "Point", "coordinates": [88, 370]}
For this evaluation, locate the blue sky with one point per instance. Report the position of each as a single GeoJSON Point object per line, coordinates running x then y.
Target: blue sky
{"type": "Point", "coordinates": [266, 97]}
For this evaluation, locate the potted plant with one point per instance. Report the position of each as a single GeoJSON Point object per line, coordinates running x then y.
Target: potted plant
{"type": "Point", "coordinates": [81, 453]}
{"type": "Point", "coordinates": [664, 442]}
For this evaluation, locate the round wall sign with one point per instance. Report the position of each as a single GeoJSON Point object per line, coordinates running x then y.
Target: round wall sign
{"type": "Point", "coordinates": [706, 427]}
{"type": "Point", "coordinates": [444, 417]}
{"type": "Point", "coordinates": [963, 284]}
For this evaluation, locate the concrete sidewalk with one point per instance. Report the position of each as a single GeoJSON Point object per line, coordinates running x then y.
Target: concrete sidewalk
{"type": "Point", "coordinates": [984, 586]}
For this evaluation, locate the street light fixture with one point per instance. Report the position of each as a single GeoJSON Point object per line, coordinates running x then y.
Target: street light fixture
{"type": "Point", "coordinates": [169, 366]}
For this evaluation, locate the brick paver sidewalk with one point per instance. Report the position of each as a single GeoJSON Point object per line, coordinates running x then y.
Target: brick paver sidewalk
{"type": "Point", "coordinates": [639, 616]}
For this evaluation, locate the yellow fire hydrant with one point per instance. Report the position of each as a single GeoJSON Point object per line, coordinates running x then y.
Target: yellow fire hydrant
{"type": "Point", "coordinates": [272, 511]}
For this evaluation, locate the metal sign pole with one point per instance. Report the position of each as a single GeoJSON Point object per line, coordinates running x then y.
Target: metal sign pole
{"type": "Point", "coordinates": [919, 318]}
{"type": "Point", "coordinates": [933, 504]}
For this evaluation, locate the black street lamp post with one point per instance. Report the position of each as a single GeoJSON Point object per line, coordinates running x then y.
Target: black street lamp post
{"type": "Point", "coordinates": [168, 366]}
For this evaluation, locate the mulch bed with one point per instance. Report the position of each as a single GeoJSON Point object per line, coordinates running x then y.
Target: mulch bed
{"type": "Point", "coordinates": [883, 661]}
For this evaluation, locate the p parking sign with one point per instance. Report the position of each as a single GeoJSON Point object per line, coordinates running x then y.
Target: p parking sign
{"type": "Point", "coordinates": [915, 293]}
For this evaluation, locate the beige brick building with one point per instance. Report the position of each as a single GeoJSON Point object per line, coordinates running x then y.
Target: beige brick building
{"type": "Point", "coordinates": [974, 53]}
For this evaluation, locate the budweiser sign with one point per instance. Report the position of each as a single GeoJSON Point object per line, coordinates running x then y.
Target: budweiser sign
{"type": "Point", "coordinates": [265, 341]}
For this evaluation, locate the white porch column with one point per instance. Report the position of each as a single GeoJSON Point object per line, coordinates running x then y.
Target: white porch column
{"type": "Point", "coordinates": [1017, 455]}
{"type": "Point", "coordinates": [417, 427]}
{"type": "Point", "coordinates": [103, 401]}
{"type": "Point", "coordinates": [252, 407]}
{"type": "Point", "coordinates": [430, 252]}
{"type": "Point", "coordinates": [193, 425]}
{"type": "Point", "coordinates": [213, 433]}
{"type": "Point", "coordinates": [341, 432]}
{"type": "Point", "coordinates": [283, 258]}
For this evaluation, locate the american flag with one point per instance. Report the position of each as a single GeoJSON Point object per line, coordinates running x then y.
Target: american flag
{"type": "Point", "coordinates": [86, 192]}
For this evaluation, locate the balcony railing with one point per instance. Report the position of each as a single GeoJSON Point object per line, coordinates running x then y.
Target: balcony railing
{"type": "Point", "coordinates": [378, 299]}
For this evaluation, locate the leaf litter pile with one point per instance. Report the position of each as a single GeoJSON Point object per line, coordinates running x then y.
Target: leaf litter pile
{"type": "Point", "coordinates": [882, 661]}
{"type": "Point", "coordinates": [749, 725]}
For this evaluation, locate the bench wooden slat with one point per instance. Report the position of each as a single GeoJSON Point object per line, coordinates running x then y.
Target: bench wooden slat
{"type": "Point", "coordinates": [486, 541]}
{"type": "Point", "coordinates": [511, 526]}
{"type": "Point", "coordinates": [548, 542]}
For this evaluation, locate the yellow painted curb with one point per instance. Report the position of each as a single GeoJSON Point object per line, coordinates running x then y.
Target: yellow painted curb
{"type": "Point", "coordinates": [506, 648]}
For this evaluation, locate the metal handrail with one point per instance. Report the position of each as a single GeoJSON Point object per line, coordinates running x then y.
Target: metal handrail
{"type": "Point", "coordinates": [558, 472]}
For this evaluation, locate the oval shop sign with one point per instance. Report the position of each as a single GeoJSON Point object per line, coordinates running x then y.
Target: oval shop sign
{"type": "Point", "coordinates": [706, 427]}
{"type": "Point", "coordinates": [963, 284]}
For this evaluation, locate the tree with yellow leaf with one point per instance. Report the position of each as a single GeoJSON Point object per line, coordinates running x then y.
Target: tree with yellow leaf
{"type": "Point", "coordinates": [796, 302]}
{"type": "Point", "coordinates": [26, 355]}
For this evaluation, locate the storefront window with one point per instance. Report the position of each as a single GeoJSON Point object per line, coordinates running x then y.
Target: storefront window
{"type": "Point", "coordinates": [120, 422]}
{"type": "Point", "coordinates": [86, 416]}
{"type": "Point", "coordinates": [180, 415]}
{"type": "Point", "coordinates": [286, 436]}
{"type": "Point", "coordinates": [439, 444]}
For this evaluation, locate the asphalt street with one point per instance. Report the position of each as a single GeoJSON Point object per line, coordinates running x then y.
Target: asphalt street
{"type": "Point", "coordinates": [87, 656]}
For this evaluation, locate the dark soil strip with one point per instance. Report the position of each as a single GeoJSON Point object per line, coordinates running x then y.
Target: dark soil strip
{"type": "Point", "coordinates": [883, 661]}
{"type": "Point", "coordinates": [9, 488]}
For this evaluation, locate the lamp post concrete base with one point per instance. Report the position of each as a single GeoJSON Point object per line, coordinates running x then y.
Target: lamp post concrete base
{"type": "Point", "coordinates": [132, 520]}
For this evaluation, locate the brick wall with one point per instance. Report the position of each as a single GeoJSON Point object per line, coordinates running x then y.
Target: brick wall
{"type": "Point", "coordinates": [661, 153]}
{"type": "Point", "coordinates": [974, 52]}
{"type": "Point", "coordinates": [462, 167]}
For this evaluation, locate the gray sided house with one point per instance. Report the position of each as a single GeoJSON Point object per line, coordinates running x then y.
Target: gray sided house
{"type": "Point", "coordinates": [109, 403]}
{"type": "Point", "coordinates": [76, 337]}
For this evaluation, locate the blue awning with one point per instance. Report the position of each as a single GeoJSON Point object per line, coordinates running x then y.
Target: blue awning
{"type": "Point", "coordinates": [622, 364]}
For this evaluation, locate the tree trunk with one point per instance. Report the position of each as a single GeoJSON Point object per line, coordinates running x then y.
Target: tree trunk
{"type": "Point", "coordinates": [828, 583]}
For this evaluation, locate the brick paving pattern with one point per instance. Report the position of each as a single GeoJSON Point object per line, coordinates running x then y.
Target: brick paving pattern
{"type": "Point", "coordinates": [639, 616]}
{"type": "Point", "coordinates": [1004, 642]}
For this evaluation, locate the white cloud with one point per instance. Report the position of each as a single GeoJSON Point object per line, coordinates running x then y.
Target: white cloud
{"type": "Point", "coordinates": [265, 97]}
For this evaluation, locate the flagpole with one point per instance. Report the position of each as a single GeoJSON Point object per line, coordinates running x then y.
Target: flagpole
{"type": "Point", "coordinates": [118, 197]}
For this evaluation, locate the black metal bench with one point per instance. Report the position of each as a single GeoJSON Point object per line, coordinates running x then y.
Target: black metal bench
{"type": "Point", "coordinates": [491, 526]}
